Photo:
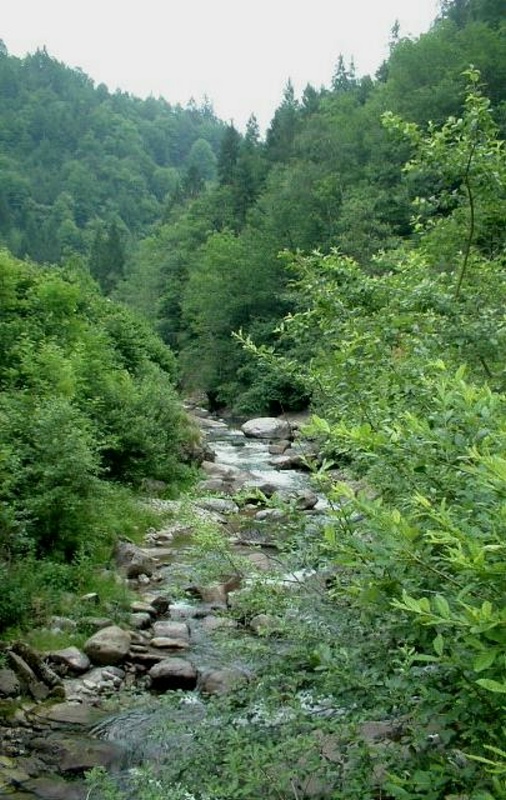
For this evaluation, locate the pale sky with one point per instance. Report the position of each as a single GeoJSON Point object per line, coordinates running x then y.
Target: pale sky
{"type": "Point", "coordinates": [238, 54]}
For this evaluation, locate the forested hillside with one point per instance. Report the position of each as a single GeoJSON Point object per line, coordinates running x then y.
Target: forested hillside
{"type": "Point", "coordinates": [84, 170]}
{"type": "Point", "coordinates": [328, 175]}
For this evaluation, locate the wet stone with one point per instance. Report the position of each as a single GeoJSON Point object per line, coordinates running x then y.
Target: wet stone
{"type": "Point", "coordinates": [173, 673]}
{"type": "Point", "coordinates": [171, 630]}
{"type": "Point", "coordinates": [140, 620]}
{"type": "Point", "coordinates": [71, 658]}
{"type": "Point", "coordinates": [163, 642]}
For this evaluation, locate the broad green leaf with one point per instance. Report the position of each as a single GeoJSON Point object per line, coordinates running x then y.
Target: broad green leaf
{"type": "Point", "coordinates": [492, 686]}
{"type": "Point", "coordinates": [441, 605]}
{"type": "Point", "coordinates": [484, 660]}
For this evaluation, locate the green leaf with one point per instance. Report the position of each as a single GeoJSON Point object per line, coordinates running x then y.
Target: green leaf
{"type": "Point", "coordinates": [484, 660]}
{"type": "Point", "coordinates": [492, 686]}
{"type": "Point", "coordinates": [438, 644]}
{"type": "Point", "coordinates": [441, 606]}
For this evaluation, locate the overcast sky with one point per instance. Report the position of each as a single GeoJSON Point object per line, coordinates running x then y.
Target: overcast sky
{"type": "Point", "coordinates": [240, 54]}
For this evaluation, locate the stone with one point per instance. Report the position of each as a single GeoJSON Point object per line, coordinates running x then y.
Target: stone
{"type": "Point", "coordinates": [133, 561]}
{"type": "Point", "coordinates": [75, 755]}
{"type": "Point", "coordinates": [263, 623]}
{"type": "Point", "coordinates": [27, 678]}
{"type": "Point", "coordinates": [69, 714]}
{"type": "Point", "coordinates": [164, 643]}
{"type": "Point", "coordinates": [160, 602]}
{"type": "Point", "coordinates": [212, 623]}
{"type": "Point", "coordinates": [259, 484]}
{"type": "Point", "coordinates": [305, 499]}
{"type": "Point", "coordinates": [51, 787]}
{"type": "Point", "coordinates": [62, 624]}
{"type": "Point", "coordinates": [91, 597]}
{"type": "Point", "coordinates": [140, 620]}
{"type": "Point", "coordinates": [70, 657]}
{"type": "Point", "coordinates": [96, 623]}
{"type": "Point", "coordinates": [267, 428]}
{"type": "Point", "coordinates": [9, 684]}
{"type": "Point", "coordinates": [219, 504]}
{"type": "Point", "coordinates": [108, 646]}
{"type": "Point", "coordinates": [173, 673]}
{"type": "Point", "coordinates": [260, 561]}
{"type": "Point", "coordinates": [274, 514]}
{"type": "Point", "coordinates": [221, 471]}
{"type": "Point", "coordinates": [279, 447]}
{"type": "Point", "coordinates": [170, 629]}
{"type": "Point", "coordinates": [214, 485]}
{"type": "Point", "coordinates": [180, 611]}
{"type": "Point", "coordinates": [289, 460]}
{"type": "Point", "coordinates": [141, 607]}
{"type": "Point", "coordinates": [214, 594]}
{"type": "Point", "coordinates": [221, 681]}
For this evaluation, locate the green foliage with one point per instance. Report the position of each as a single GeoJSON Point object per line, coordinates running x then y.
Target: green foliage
{"type": "Point", "coordinates": [407, 374]}
{"type": "Point", "coordinates": [77, 161]}
{"type": "Point", "coordinates": [86, 396]}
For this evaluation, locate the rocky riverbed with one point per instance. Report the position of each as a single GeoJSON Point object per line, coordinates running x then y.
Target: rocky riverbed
{"type": "Point", "coordinates": [56, 705]}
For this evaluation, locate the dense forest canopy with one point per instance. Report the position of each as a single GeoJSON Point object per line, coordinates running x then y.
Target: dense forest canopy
{"type": "Point", "coordinates": [77, 160]}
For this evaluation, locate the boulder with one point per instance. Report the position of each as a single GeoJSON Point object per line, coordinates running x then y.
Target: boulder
{"type": "Point", "coordinates": [279, 447]}
{"type": "Point", "coordinates": [214, 594]}
{"type": "Point", "coordinates": [212, 623]}
{"type": "Point", "coordinates": [108, 646]}
{"type": "Point", "coordinates": [140, 620]}
{"type": "Point", "coordinates": [27, 677]}
{"type": "Point", "coordinates": [267, 428]}
{"type": "Point", "coordinates": [160, 602]}
{"type": "Point", "coordinates": [168, 629]}
{"type": "Point", "coordinates": [71, 658]}
{"type": "Point", "coordinates": [221, 471]}
{"type": "Point", "coordinates": [263, 623]}
{"type": "Point", "coordinates": [289, 460]}
{"type": "Point", "coordinates": [164, 643]}
{"type": "Point", "coordinates": [218, 504]}
{"type": "Point", "coordinates": [305, 500]}
{"type": "Point", "coordinates": [222, 681]}
{"type": "Point", "coordinates": [52, 787]}
{"type": "Point", "coordinates": [173, 673]}
{"type": "Point", "coordinates": [69, 714]}
{"type": "Point", "coordinates": [142, 607]}
{"type": "Point", "coordinates": [9, 684]}
{"type": "Point", "coordinates": [75, 755]}
{"type": "Point", "coordinates": [133, 561]}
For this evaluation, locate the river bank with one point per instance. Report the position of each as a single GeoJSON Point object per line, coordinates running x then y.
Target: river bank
{"type": "Point", "coordinates": [54, 701]}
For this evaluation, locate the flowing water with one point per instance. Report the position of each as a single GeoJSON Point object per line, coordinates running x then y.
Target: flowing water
{"type": "Point", "coordinates": [144, 730]}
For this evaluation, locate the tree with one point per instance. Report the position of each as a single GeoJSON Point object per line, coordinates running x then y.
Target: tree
{"type": "Point", "coordinates": [107, 257]}
{"type": "Point", "coordinates": [229, 153]}
{"type": "Point", "coordinates": [344, 78]}
{"type": "Point", "coordinates": [281, 132]}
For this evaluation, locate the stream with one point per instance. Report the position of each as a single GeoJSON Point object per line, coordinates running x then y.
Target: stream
{"type": "Point", "coordinates": [147, 727]}
{"type": "Point", "coordinates": [143, 731]}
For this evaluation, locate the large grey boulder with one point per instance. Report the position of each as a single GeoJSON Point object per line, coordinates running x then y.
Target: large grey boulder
{"type": "Point", "coordinates": [133, 561]}
{"type": "Point", "coordinates": [171, 629]}
{"type": "Point", "coordinates": [173, 673]}
{"type": "Point", "coordinates": [108, 646]}
{"type": "Point", "coordinates": [222, 681]}
{"type": "Point", "coordinates": [267, 428]}
{"type": "Point", "coordinates": [71, 658]}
